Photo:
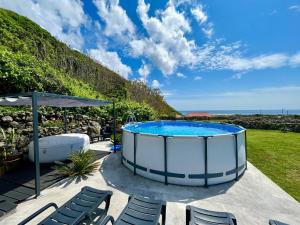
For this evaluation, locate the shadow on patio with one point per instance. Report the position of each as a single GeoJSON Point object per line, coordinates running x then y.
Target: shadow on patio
{"type": "Point", "coordinates": [18, 185]}
{"type": "Point", "coordinates": [119, 177]}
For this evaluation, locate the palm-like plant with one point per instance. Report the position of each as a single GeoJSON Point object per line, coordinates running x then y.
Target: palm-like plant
{"type": "Point", "coordinates": [82, 163]}
{"type": "Point", "coordinates": [9, 138]}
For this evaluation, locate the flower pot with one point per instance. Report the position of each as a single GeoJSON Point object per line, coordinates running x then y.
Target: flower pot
{"type": "Point", "coordinates": [2, 171]}
{"type": "Point", "coordinates": [13, 162]}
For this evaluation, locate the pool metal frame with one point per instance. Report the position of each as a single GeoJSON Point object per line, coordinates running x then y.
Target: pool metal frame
{"type": "Point", "coordinates": [204, 176]}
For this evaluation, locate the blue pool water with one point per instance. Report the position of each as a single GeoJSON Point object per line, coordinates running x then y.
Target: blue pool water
{"type": "Point", "coordinates": [182, 128]}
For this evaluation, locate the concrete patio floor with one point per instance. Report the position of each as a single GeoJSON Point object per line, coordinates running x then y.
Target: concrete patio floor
{"type": "Point", "coordinates": [254, 199]}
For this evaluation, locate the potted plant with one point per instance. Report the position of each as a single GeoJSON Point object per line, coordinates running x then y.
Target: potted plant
{"type": "Point", "coordinates": [12, 158]}
{"type": "Point", "coordinates": [82, 164]}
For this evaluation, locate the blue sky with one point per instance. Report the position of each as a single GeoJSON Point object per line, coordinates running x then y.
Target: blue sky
{"type": "Point", "coordinates": [201, 54]}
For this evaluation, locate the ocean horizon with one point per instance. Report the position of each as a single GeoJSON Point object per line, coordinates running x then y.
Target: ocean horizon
{"type": "Point", "coordinates": [248, 112]}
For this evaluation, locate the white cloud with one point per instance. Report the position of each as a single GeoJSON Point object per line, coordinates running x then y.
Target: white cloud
{"type": "Point", "coordinates": [208, 30]}
{"type": "Point", "coordinates": [278, 89]}
{"type": "Point", "coordinates": [181, 75]}
{"type": "Point", "coordinates": [295, 8]}
{"type": "Point", "coordinates": [168, 48]}
{"type": "Point", "coordinates": [199, 14]}
{"type": "Point", "coordinates": [260, 98]}
{"type": "Point", "coordinates": [118, 24]}
{"type": "Point", "coordinates": [229, 57]}
{"type": "Point", "coordinates": [201, 17]}
{"type": "Point", "coordinates": [110, 60]}
{"type": "Point", "coordinates": [167, 93]}
{"type": "Point", "coordinates": [155, 84]}
{"type": "Point", "coordinates": [237, 76]}
{"type": "Point", "coordinates": [258, 91]}
{"type": "Point", "coordinates": [256, 63]}
{"type": "Point", "coordinates": [295, 60]}
{"type": "Point", "coordinates": [271, 61]}
{"type": "Point", "coordinates": [63, 19]}
{"type": "Point", "coordinates": [166, 45]}
{"type": "Point", "coordinates": [198, 78]}
{"type": "Point", "coordinates": [178, 3]}
{"type": "Point", "coordinates": [144, 72]}
{"type": "Point", "coordinates": [273, 12]}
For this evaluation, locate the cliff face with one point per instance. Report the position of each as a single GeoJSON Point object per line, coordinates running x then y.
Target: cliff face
{"type": "Point", "coordinates": [30, 58]}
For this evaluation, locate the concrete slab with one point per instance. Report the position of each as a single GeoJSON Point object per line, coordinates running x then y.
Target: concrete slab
{"type": "Point", "coordinates": [254, 199]}
{"type": "Point", "coordinates": [101, 146]}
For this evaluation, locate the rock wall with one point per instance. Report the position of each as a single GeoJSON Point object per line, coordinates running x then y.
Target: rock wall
{"type": "Point", "coordinates": [49, 124]}
{"type": "Point", "coordinates": [268, 123]}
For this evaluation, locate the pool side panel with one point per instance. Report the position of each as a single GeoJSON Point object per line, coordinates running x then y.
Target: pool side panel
{"type": "Point", "coordinates": [246, 150]}
{"type": "Point", "coordinates": [220, 158]}
{"type": "Point", "coordinates": [186, 156]}
{"type": "Point", "coordinates": [150, 154]}
{"type": "Point", "coordinates": [128, 148]}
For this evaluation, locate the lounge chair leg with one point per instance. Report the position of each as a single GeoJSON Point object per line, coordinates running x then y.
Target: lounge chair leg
{"type": "Point", "coordinates": [106, 221]}
{"type": "Point", "coordinates": [107, 203]}
{"type": "Point", "coordinates": [187, 215]}
{"type": "Point", "coordinates": [163, 214]}
{"type": "Point", "coordinates": [129, 197]}
{"type": "Point", "coordinates": [90, 217]}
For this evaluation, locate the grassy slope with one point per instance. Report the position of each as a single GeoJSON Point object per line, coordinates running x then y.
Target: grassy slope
{"type": "Point", "coordinates": [20, 35]}
{"type": "Point", "coordinates": [277, 155]}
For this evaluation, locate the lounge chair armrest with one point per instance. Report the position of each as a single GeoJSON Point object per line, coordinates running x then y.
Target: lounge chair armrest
{"type": "Point", "coordinates": [38, 213]}
{"type": "Point", "coordinates": [106, 220]}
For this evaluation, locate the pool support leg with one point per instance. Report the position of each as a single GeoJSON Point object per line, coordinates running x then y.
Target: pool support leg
{"type": "Point", "coordinates": [236, 157]}
{"type": "Point", "coordinates": [246, 149]}
{"type": "Point", "coordinates": [205, 161]}
{"type": "Point", "coordinates": [134, 153]}
{"type": "Point", "coordinates": [65, 121]}
{"type": "Point", "coordinates": [165, 160]}
{"type": "Point", "coordinates": [115, 125]}
{"type": "Point", "coordinates": [122, 148]}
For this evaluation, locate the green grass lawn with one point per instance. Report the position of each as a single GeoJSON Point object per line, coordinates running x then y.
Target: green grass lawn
{"type": "Point", "coordinates": [277, 155]}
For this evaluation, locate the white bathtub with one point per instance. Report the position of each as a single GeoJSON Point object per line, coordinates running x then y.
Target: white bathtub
{"type": "Point", "coordinates": [58, 147]}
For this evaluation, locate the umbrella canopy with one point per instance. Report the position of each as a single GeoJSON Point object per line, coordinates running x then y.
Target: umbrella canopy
{"type": "Point", "coordinates": [49, 99]}
{"type": "Point", "coordinates": [36, 99]}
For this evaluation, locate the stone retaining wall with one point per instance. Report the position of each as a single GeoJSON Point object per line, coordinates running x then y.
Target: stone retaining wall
{"type": "Point", "coordinates": [49, 124]}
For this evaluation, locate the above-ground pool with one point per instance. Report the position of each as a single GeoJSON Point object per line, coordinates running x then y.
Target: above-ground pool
{"type": "Point", "coordinates": [185, 153]}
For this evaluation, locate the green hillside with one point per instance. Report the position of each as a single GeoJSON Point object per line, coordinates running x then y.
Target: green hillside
{"type": "Point", "coordinates": [32, 59]}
